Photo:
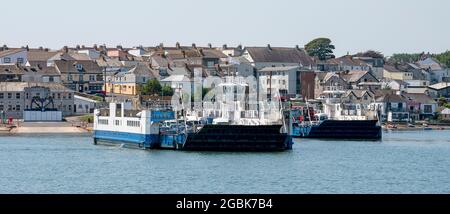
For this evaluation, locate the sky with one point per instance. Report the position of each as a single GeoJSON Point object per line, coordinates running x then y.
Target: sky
{"type": "Point", "coordinates": [389, 26]}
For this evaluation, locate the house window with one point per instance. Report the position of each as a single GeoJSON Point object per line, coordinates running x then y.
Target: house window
{"type": "Point", "coordinates": [9, 107]}
{"type": "Point", "coordinates": [51, 79]}
{"type": "Point", "coordinates": [17, 95]}
{"type": "Point", "coordinates": [2, 108]}
{"type": "Point", "coordinates": [365, 97]}
{"type": "Point", "coordinates": [69, 77]}
{"type": "Point", "coordinates": [91, 78]}
{"type": "Point", "coordinates": [20, 60]}
{"type": "Point", "coordinates": [2, 96]}
{"type": "Point", "coordinates": [7, 60]}
{"type": "Point", "coordinates": [79, 67]}
{"type": "Point", "coordinates": [9, 95]}
{"type": "Point", "coordinates": [70, 96]}
{"type": "Point", "coordinates": [17, 107]}
{"type": "Point", "coordinates": [428, 109]}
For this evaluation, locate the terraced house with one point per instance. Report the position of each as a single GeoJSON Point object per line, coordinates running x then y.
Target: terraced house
{"type": "Point", "coordinates": [84, 76]}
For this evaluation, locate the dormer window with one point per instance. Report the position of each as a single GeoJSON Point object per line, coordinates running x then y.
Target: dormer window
{"type": "Point", "coordinates": [79, 67]}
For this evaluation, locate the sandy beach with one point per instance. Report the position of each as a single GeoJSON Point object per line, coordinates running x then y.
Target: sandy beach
{"type": "Point", "coordinates": [47, 128]}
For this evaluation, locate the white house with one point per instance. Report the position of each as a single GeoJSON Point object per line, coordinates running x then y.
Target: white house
{"type": "Point", "coordinates": [397, 85]}
{"type": "Point", "coordinates": [437, 72]}
{"type": "Point", "coordinates": [178, 82]}
{"type": "Point", "coordinates": [279, 81]}
{"type": "Point", "coordinates": [84, 105]}
{"type": "Point", "coordinates": [13, 56]}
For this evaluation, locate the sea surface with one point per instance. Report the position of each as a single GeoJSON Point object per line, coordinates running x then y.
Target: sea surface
{"type": "Point", "coordinates": [404, 162]}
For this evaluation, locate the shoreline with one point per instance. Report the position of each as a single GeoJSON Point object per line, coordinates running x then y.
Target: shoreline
{"type": "Point", "coordinates": [44, 128]}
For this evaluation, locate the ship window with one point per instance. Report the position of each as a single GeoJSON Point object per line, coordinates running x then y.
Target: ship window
{"type": "Point", "coordinates": [103, 122]}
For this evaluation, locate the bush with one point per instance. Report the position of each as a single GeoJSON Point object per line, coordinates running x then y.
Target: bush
{"type": "Point", "coordinates": [87, 118]}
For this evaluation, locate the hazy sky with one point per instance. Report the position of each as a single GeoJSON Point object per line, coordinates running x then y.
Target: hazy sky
{"type": "Point", "coordinates": [353, 25]}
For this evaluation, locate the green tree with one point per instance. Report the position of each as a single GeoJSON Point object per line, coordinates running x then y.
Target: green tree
{"type": "Point", "coordinates": [371, 53]}
{"type": "Point", "coordinates": [321, 48]}
{"type": "Point", "coordinates": [444, 58]}
{"type": "Point", "coordinates": [167, 91]}
{"type": "Point", "coordinates": [404, 58]}
{"type": "Point", "coordinates": [152, 87]}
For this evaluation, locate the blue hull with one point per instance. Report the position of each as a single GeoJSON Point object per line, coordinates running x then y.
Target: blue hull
{"type": "Point", "coordinates": [144, 141]}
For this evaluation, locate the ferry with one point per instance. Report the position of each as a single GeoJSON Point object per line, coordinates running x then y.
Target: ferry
{"type": "Point", "coordinates": [305, 123]}
{"type": "Point", "coordinates": [160, 129]}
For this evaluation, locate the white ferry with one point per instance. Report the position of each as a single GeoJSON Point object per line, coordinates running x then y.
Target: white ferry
{"type": "Point", "coordinates": [119, 124]}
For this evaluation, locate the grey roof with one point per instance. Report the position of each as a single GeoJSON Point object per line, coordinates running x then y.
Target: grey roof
{"type": "Point", "coordinates": [144, 69]}
{"type": "Point", "coordinates": [11, 69]}
{"type": "Point", "coordinates": [391, 68]}
{"type": "Point", "coordinates": [212, 53]}
{"type": "Point", "coordinates": [429, 63]}
{"type": "Point", "coordinates": [109, 62]}
{"type": "Point", "coordinates": [279, 68]}
{"type": "Point", "coordinates": [420, 98]}
{"type": "Point", "coordinates": [68, 66]}
{"type": "Point", "coordinates": [43, 56]}
{"type": "Point", "coordinates": [11, 51]}
{"type": "Point", "coordinates": [354, 76]}
{"type": "Point", "coordinates": [347, 60]}
{"type": "Point", "coordinates": [20, 86]}
{"type": "Point", "coordinates": [391, 98]}
{"type": "Point", "coordinates": [280, 55]}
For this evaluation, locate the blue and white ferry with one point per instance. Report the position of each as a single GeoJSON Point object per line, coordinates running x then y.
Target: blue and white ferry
{"type": "Point", "coordinates": [119, 124]}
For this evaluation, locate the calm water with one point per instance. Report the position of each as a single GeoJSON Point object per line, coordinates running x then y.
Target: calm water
{"type": "Point", "coordinates": [405, 162]}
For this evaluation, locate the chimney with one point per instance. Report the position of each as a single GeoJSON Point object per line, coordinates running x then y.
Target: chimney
{"type": "Point", "coordinates": [95, 47]}
{"type": "Point", "coordinates": [224, 46]}
{"type": "Point", "coordinates": [209, 45]}
{"type": "Point", "coordinates": [66, 49]}
{"type": "Point", "coordinates": [28, 48]}
{"type": "Point", "coordinates": [78, 47]}
{"type": "Point", "coordinates": [201, 52]}
{"type": "Point", "coordinates": [161, 45]}
{"type": "Point", "coordinates": [239, 47]}
{"type": "Point", "coordinates": [46, 49]}
{"type": "Point", "coordinates": [268, 46]}
{"type": "Point", "coordinates": [41, 48]}
{"type": "Point", "coordinates": [184, 53]}
{"type": "Point", "coordinates": [178, 45]}
{"type": "Point", "coordinates": [194, 46]}
{"type": "Point", "coordinates": [119, 47]}
{"type": "Point", "coordinates": [297, 47]}
{"type": "Point", "coordinates": [83, 47]}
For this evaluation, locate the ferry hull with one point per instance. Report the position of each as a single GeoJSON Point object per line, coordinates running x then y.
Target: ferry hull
{"type": "Point", "coordinates": [341, 129]}
{"type": "Point", "coordinates": [238, 138]}
{"type": "Point", "coordinates": [130, 140]}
